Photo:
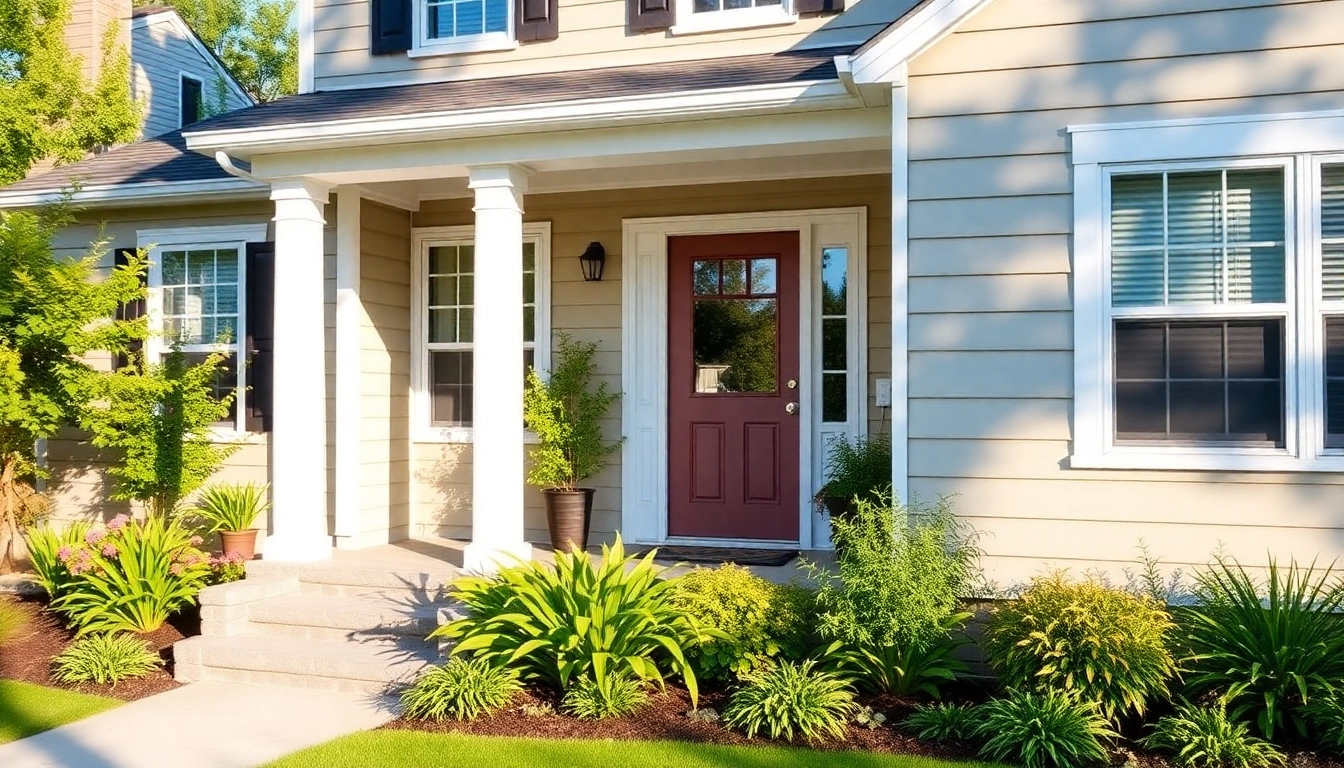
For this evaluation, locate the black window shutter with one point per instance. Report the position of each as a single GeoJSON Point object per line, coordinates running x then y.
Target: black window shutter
{"type": "Point", "coordinates": [260, 334]}
{"type": "Point", "coordinates": [133, 310]}
{"type": "Point", "coordinates": [390, 21]}
{"type": "Point", "coordinates": [646, 15]}
{"type": "Point", "coordinates": [537, 20]}
{"type": "Point", "coordinates": [818, 6]}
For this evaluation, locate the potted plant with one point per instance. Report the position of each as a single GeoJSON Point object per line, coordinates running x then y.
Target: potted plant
{"type": "Point", "coordinates": [230, 511]}
{"type": "Point", "coordinates": [861, 469]}
{"type": "Point", "coordinates": [565, 413]}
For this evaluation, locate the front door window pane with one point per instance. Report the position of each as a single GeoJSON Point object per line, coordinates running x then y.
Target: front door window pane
{"type": "Point", "coordinates": [736, 346]}
{"type": "Point", "coordinates": [834, 335]}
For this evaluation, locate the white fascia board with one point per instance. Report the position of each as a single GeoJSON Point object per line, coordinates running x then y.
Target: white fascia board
{"type": "Point", "coordinates": [885, 62]}
{"type": "Point", "coordinates": [444, 159]}
{"type": "Point", "coordinates": [1195, 138]}
{"type": "Point", "coordinates": [171, 17]}
{"type": "Point", "coordinates": [567, 115]}
{"type": "Point", "coordinates": [137, 194]}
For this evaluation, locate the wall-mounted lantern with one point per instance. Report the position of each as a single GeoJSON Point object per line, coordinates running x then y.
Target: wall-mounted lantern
{"type": "Point", "coordinates": [592, 261]}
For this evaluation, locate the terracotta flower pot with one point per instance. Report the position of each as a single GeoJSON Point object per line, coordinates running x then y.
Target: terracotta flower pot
{"type": "Point", "coordinates": [242, 543]}
{"type": "Point", "coordinates": [568, 514]}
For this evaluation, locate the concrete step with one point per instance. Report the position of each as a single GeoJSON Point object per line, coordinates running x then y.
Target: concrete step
{"type": "Point", "coordinates": [343, 578]}
{"type": "Point", "coordinates": [363, 619]}
{"type": "Point", "coordinates": [340, 666]}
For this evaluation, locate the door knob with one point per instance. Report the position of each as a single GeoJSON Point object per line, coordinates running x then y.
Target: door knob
{"type": "Point", "coordinates": [791, 409]}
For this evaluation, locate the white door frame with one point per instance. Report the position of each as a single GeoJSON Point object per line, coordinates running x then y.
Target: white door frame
{"type": "Point", "coordinates": [644, 364]}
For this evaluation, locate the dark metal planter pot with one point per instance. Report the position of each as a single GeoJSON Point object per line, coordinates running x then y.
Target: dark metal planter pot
{"type": "Point", "coordinates": [568, 515]}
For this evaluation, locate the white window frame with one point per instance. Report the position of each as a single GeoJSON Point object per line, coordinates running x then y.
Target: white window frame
{"type": "Point", "coordinates": [155, 242]}
{"type": "Point", "coordinates": [1300, 143]}
{"type": "Point", "coordinates": [489, 41]}
{"type": "Point", "coordinates": [422, 239]}
{"type": "Point", "coordinates": [691, 23]}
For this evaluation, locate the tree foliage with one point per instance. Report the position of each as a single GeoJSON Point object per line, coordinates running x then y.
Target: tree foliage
{"type": "Point", "coordinates": [52, 313]}
{"type": "Point", "coordinates": [255, 39]}
{"type": "Point", "coordinates": [566, 414]}
{"type": "Point", "coordinates": [47, 108]}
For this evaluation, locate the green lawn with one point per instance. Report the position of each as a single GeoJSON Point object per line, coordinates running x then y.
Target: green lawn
{"type": "Point", "coordinates": [409, 749]}
{"type": "Point", "coordinates": [26, 709]}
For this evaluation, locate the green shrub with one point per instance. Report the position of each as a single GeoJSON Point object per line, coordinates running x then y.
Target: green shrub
{"type": "Point", "coordinates": [1084, 638]}
{"type": "Point", "coordinates": [1042, 730]}
{"type": "Point", "coordinates": [130, 576]}
{"type": "Point", "coordinates": [1324, 713]}
{"type": "Point", "coordinates": [761, 622]}
{"type": "Point", "coordinates": [12, 619]}
{"type": "Point", "coordinates": [892, 609]}
{"type": "Point", "coordinates": [1204, 737]}
{"type": "Point", "coordinates": [942, 722]}
{"type": "Point", "coordinates": [461, 689]}
{"type": "Point", "coordinates": [792, 699]}
{"type": "Point", "coordinates": [231, 507]}
{"type": "Point", "coordinates": [558, 624]}
{"type": "Point", "coordinates": [861, 469]}
{"type": "Point", "coordinates": [46, 545]}
{"type": "Point", "coordinates": [227, 568]}
{"type": "Point", "coordinates": [1265, 645]}
{"type": "Point", "coordinates": [566, 414]}
{"type": "Point", "coordinates": [597, 698]}
{"type": "Point", "coordinates": [104, 658]}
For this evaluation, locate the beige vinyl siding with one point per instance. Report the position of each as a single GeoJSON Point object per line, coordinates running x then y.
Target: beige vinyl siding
{"type": "Point", "coordinates": [159, 58]}
{"type": "Point", "coordinates": [592, 311]}
{"type": "Point", "coordinates": [991, 362]}
{"type": "Point", "coordinates": [385, 381]}
{"type": "Point", "coordinates": [592, 35]}
{"type": "Point", "coordinates": [79, 485]}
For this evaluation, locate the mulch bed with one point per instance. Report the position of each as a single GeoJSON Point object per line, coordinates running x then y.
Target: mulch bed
{"type": "Point", "coordinates": [27, 656]}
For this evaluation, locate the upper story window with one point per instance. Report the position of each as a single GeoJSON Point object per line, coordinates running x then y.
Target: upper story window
{"type": "Point", "coordinates": [1209, 300]}
{"type": "Point", "coordinates": [462, 26]}
{"type": "Point", "coordinates": [693, 16]}
{"type": "Point", "coordinates": [191, 107]}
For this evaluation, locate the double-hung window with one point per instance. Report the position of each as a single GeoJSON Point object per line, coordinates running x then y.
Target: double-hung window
{"type": "Point", "coordinates": [445, 324]}
{"type": "Point", "coordinates": [1209, 296]}
{"type": "Point", "coordinates": [461, 26]}
{"type": "Point", "coordinates": [714, 15]}
{"type": "Point", "coordinates": [197, 303]}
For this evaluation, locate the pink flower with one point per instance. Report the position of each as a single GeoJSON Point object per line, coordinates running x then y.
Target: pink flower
{"type": "Point", "coordinates": [175, 569]}
{"type": "Point", "coordinates": [109, 550]}
{"type": "Point", "coordinates": [95, 536]}
{"type": "Point", "coordinates": [197, 541]}
{"type": "Point", "coordinates": [63, 554]}
{"type": "Point", "coordinates": [118, 522]}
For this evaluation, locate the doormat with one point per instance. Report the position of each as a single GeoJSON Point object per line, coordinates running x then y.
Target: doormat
{"type": "Point", "coordinates": [717, 555]}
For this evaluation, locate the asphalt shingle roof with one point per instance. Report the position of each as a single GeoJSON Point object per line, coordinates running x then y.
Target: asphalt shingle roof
{"type": "Point", "coordinates": [160, 159]}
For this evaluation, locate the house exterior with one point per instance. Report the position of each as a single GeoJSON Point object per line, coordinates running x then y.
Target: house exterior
{"type": "Point", "coordinates": [1079, 258]}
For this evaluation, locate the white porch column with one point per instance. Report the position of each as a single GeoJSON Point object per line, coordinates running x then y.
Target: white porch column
{"type": "Point", "coordinates": [299, 420]}
{"type": "Point", "coordinates": [900, 291]}
{"type": "Point", "coordinates": [349, 313]}
{"type": "Point", "coordinates": [497, 459]}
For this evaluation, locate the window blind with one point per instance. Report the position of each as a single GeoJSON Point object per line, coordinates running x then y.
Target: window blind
{"type": "Point", "coordinates": [1332, 233]}
{"type": "Point", "coordinates": [1207, 237]}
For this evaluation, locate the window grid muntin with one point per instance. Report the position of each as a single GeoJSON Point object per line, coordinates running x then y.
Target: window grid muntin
{"type": "Point", "coordinates": [431, 33]}
{"type": "Point", "coordinates": [1297, 351]}
{"type": "Point", "coordinates": [532, 255]}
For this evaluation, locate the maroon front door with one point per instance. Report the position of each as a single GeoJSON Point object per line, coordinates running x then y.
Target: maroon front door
{"type": "Point", "coordinates": [733, 397]}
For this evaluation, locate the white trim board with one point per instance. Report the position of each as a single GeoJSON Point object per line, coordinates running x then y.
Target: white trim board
{"type": "Point", "coordinates": [145, 193]}
{"type": "Point", "coordinates": [885, 61]}
{"type": "Point", "coordinates": [644, 363]}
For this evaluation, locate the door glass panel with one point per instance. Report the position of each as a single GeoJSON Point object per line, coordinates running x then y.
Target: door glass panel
{"type": "Point", "coordinates": [706, 278]}
{"type": "Point", "coordinates": [763, 277]}
{"type": "Point", "coordinates": [734, 277]}
{"type": "Point", "coordinates": [736, 345]}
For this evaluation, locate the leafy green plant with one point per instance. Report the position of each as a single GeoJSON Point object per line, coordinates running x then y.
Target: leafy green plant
{"type": "Point", "coordinates": [605, 696]}
{"type": "Point", "coordinates": [131, 575]}
{"type": "Point", "coordinates": [462, 689]}
{"type": "Point", "coordinates": [1205, 737]}
{"type": "Point", "coordinates": [761, 622]}
{"type": "Point", "coordinates": [1042, 730]}
{"type": "Point", "coordinates": [558, 624]}
{"type": "Point", "coordinates": [1084, 638]}
{"type": "Point", "coordinates": [892, 608]}
{"type": "Point", "coordinates": [1324, 713]}
{"type": "Point", "coordinates": [1265, 645]}
{"type": "Point", "coordinates": [566, 414]}
{"type": "Point", "coordinates": [226, 568]}
{"type": "Point", "coordinates": [942, 722]}
{"type": "Point", "coordinates": [861, 469]}
{"type": "Point", "coordinates": [53, 312]}
{"type": "Point", "coordinates": [104, 658]}
{"type": "Point", "coordinates": [48, 550]}
{"type": "Point", "coordinates": [792, 699]}
{"type": "Point", "coordinates": [231, 507]}
{"type": "Point", "coordinates": [158, 418]}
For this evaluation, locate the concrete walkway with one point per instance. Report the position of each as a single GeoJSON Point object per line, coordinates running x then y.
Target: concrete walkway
{"type": "Point", "coordinates": [202, 725]}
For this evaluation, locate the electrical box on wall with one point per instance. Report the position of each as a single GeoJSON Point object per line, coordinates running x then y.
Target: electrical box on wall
{"type": "Point", "coordinates": [883, 394]}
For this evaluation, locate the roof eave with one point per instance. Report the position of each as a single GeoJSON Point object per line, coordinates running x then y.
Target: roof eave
{"type": "Point", "coordinates": [144, 193]}
{"type": "Point", "coordinates": [807, 95]}
{"type": "Point", "coordinates": [885, 58]}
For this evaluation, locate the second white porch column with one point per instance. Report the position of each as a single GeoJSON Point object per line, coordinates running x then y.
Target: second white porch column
{"type": "Point", "coordinates": [299, 418]}
{"type": "Point", "coordinates": [497, 380]}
